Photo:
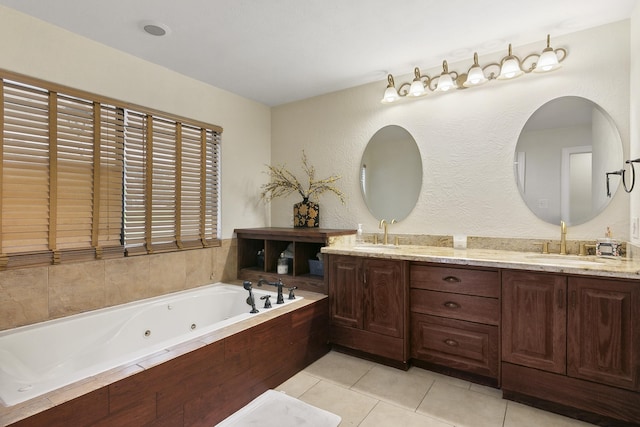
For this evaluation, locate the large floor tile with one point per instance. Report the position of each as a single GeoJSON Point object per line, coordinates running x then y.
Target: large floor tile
{"type": "Point", "coordinates": [298, 384]}
{"type": "Point", "coordinates": [395, 386]}
{"type": "Point", "coordinates": [525, 416]}
{"type": "Point", "coordinates": [490, 391]}
{"type": "Point", "coordinates": [463, 408]}
{"type": "Point", "coordinates": [352, 406]}
{"type": "Point", "coordinates": [440, 377]}
{"type": "Point", "coordinates": [340, 368]}
{"type": "Point", "coordinates": [387, 415]}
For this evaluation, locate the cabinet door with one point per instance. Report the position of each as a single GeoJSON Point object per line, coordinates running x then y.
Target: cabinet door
{"type": "Point", "coordinates": [534, 316]}
{"type": "Point", "coordinates": [603, 335]}
{"type": "Point", "coordinates": [345, 291]}
{"type": "Point", "coordinates": [384, 292]}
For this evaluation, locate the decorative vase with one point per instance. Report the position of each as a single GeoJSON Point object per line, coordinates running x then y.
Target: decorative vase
{"type": "Point", "coordinates": [306, 214]}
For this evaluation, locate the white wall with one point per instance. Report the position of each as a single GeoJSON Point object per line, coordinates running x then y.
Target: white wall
{"type": "Point", "coordinates": [467, 141]}
{"type": "Point", "coordinates": [35, 48]}
{"type": "Point", "coordinates": [635, 109]}
{"type": "Point", "coordinates": [466, 138]}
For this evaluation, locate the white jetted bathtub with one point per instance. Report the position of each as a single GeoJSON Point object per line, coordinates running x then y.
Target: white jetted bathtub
{"type": "Point", "coordinates": [39, 358]}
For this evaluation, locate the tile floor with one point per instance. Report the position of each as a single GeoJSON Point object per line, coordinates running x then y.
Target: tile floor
{"type": "Point", "coordinates": [367, 394]}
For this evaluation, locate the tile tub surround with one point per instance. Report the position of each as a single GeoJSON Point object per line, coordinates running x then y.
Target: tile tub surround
{"type": "Point", "coordinates": [151, 388]}
{"type": "Point", "coordinates": [624, 268]}
{"type": "Point", "coordinates": [36, 294]}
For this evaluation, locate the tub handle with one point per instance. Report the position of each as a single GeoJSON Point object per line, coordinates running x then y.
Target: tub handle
{"type": "Point", "coordinates": [267, 302]}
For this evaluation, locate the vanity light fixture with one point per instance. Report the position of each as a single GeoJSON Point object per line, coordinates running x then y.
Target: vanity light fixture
{"type": "Point", "coordinates": [509, 67]}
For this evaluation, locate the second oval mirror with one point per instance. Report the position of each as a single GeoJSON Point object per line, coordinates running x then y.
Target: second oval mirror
{"type": "Point", "coordinates": [391, 173]}
{"type": "Point", "coordinates": [562, 155]}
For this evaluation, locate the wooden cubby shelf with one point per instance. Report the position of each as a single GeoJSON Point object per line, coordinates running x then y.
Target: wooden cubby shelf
{"type": "Point", "coordinates": [274, 240]}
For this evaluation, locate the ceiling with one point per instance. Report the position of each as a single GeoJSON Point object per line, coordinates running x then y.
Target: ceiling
{"type": "Point", "coordinates": [278, 51]}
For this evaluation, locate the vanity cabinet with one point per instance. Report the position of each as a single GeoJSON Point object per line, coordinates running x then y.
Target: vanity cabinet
{"type": "Point", "coordinates": [572, 340]}
{"type": "Point", "coordinates": [367, 299]}
{"type": "Point", "coordinates": [270, 242]}
{"type": "Point", "coordinates": [534, 320]}
{"type": "Point", "coordinates": [455, 315]}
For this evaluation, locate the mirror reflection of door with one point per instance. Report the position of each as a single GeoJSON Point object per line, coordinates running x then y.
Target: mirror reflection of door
{"type": "Point", "coordinates": [561, 159]}
{"type": "Point", "coordinates": [576, 184]}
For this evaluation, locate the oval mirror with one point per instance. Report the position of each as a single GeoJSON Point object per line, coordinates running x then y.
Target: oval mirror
{"type": "Point", "coordinates": [563, 153]}
{"type": "Point", "coordinates": [391, 173]}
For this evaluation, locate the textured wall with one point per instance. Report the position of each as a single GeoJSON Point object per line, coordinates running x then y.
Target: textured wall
{"type": "Point", "coordinates": [467, 141]}
{"type": "Point", "coordinates": [35, 48]}
{"type": "Point", "coordinates": [635, 109]}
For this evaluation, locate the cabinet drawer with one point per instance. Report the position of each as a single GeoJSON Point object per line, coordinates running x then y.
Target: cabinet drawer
{"type": "Point", "coordinates": [455, 306]}
{"type": "Point", "coordinates": [459, 280]}
{"type": "Point", "coordinates": [457, 344]}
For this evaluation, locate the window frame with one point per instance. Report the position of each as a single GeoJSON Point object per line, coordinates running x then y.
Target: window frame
{"type": "Point", "coordinates": [163, 152]}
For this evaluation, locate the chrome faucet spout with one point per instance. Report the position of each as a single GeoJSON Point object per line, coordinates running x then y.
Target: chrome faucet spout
{"type": "Point", "coordinates": [563, 238]}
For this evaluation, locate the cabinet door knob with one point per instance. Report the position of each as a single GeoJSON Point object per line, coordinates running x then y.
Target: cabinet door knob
{"type": "Point", "coordinates": [451, 304]}
{"type": "Point", "coordinates": [451, 343]}
{"type": "Point", "coordinates": [452, 279]}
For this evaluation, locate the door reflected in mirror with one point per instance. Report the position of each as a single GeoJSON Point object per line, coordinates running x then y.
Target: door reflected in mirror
{"type": "Point", "coordinates": [391, 173]}
{"type": "Point", "coordinates": [562, 155]}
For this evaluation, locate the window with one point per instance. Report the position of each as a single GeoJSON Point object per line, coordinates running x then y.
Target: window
{"type": "Point", "coordinates": [84, 177]}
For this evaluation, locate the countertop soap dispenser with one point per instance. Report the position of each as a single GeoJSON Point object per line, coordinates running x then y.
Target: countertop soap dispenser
{"type": "Point", "coordinates": [359, 236]}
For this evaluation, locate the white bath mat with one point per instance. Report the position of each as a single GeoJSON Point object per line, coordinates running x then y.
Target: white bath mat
{"type": "Point", "coordinates": [276, 409]}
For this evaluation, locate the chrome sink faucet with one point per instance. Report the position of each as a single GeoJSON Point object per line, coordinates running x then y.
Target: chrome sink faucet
{"type": "Point", "coordinates": [563, 238]}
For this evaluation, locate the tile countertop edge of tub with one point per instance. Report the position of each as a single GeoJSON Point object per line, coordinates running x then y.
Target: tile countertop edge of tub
{"type": "Point", "coordinates": [625, 268]}
{"type": "Point", "coordinates": [12, 414]}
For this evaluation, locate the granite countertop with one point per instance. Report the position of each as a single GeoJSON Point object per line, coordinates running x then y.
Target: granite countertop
{"type": "Point", "coordinates": [625, 268]}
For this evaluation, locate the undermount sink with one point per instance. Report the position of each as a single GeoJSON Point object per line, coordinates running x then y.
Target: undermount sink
{"type": "Point", "coordinates": [375, 246]}
{"type": "Point", "coordinates": [566, 259]}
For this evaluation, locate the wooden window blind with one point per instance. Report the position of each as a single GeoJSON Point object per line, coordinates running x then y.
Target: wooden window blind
{"type": "Point", "coordinates": [84, 177]}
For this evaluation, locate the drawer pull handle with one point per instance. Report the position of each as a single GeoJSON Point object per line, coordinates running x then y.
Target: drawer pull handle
{"type": "Point", "coordinates": [452, 279]}
{"type": "Point", "coordinates": [451, 343]}
{"type": "Point", "coordinates": [451, 304]}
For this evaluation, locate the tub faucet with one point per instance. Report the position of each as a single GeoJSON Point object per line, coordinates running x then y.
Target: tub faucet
{"type": "Point", "coordinates": [563, 238]}
{"type": "Point", "coordinates": [279, 285]}
{"type": "Point", "coordinates": [250, 300]}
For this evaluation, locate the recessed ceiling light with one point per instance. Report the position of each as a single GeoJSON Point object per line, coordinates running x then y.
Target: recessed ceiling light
{"type": "Point", "coordinates": [155, 28]}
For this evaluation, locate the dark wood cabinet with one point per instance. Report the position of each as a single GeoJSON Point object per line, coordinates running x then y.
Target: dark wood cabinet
{"type": "Point", "coordinates": [368, 306]}
{"type": "Point", "coordinates": [603, 343]}
{"type": "Point", "coordinates": [573, 341]}
{"type": "Point", "coordinates": [455, 316]}
{"type": "Point", "coordinates": [534, 316]}
{"type": "Point", "coordinates": [260, 248]}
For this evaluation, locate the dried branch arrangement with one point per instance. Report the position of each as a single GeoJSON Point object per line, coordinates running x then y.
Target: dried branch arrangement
{"type": "Point", "coordinates": [283, 183]}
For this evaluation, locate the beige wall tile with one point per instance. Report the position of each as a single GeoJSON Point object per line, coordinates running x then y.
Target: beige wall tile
{"type": "Point", "coordinates": [74, 288]}
{"type": "Point", "coordinates": [199, 267]}
{"type": "Point", "coordinates": [167, 272]}
{"type": "Point", "coordinates": [225, 261]}
{"type": "Point", "coordinates": [23, 297]}
{"type": "Point", "coordinates": [127, 279]}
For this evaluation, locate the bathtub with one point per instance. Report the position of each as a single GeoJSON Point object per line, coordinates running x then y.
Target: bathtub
{"type": "Point", "coordinates": [39, 358]}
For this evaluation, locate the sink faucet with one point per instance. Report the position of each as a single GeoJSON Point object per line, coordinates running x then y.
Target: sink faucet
{"type": "Point", "coordinates": [279, 285]}
{"type": "Point", "coordinates": [384, 225]}
{"type": "Point", "coordinates": [563, 238]}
